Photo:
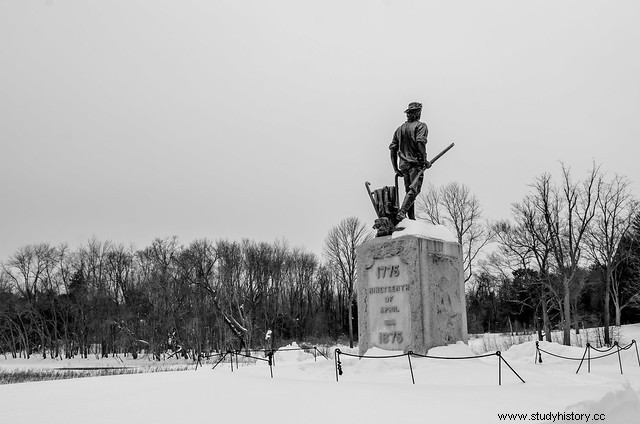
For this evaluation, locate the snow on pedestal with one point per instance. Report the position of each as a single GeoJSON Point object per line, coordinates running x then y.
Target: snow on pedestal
{"type": "Point", "coordinates": [408, 227]}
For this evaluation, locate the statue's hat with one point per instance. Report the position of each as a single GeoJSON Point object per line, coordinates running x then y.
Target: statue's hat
{"type": "Point", "coordinates": [413, 106]}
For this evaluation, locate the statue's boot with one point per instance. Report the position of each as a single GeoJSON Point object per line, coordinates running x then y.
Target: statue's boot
{"type": "Point", "coordinates": [407, 207]}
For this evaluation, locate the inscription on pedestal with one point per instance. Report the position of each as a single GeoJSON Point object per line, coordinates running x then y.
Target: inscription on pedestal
{"type": "Point", "coordinates": [388, 304]}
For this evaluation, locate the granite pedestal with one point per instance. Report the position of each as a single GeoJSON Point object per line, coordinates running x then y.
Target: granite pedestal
{"type": "Point", "coordinates": [410, 294]}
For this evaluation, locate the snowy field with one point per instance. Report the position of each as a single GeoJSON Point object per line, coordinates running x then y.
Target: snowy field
{"type": "Point", "coordinates": [370, 391]}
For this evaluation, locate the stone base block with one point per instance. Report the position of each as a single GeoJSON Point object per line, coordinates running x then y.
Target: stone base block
{"type": "Point", "coordinates": [410, 294]}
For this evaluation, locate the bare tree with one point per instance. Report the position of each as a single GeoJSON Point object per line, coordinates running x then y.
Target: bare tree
{"type": "Point", "coordinates": [454, 206]}
{"type": "Point", "coordinates": [614, 214]}
{"type": "Point", "coordinates": [198, 268]}
{"type": "Point", "coordinates": [525, 244]}
{"type": "Point", "coordinates": [568, 211]}
{"type": "Point", "coordinates": [28, 267]}
{"type": "Point", "coordinates": [297, 292]}
{"type": "Point", "coordinates": [167, 294]}
{"type": "Point", "coordinates": [119, 270]}
{"type": "Point", "coordinates": [340, 253]}
{"type": "Point", "coordinates": [30, 270]}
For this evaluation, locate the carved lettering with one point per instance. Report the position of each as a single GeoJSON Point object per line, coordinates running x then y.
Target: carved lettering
{"type": "Point", "coordinates": [389, 271]}
{"type": "Point", "coordinates": [389, 289]}
{"type": "Point", "coordinates": [393, 337]}
{"type": "Point", "coordinates": [389, 309]}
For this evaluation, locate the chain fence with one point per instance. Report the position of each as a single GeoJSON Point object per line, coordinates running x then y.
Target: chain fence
{"type": "Point", "coordinates": [410, 354]}
{"type": "Point", "coordinates": [587, 354]}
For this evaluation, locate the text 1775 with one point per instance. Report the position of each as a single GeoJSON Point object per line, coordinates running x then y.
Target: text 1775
{"type": "Point", "coordinates": [388, 271]}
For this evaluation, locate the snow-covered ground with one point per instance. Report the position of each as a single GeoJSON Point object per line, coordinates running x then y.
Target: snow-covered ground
{"type": "Point", "coordinates": [369, 391]}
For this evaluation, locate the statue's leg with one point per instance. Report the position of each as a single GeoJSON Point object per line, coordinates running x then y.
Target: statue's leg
{"type": "Point", "coordinates": [415, 173]}
{"type": "Point", "coordinates": [411, 213]}
{"type": "Point", "coordinates": [402, 212]}
{"type": "Point", "coordinates": [408, 208]}
{"type": "Point", "coordinates": [407, 205]}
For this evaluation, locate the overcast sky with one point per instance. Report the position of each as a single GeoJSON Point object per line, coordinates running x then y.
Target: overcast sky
{"type": "Point", "coordinates": [130, 120]}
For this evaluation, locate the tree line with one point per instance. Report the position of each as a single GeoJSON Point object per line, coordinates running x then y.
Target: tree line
{"type": "Point", "coordinates": [206, 296]}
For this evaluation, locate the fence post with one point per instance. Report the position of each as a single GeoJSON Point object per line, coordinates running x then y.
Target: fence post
{"type": "Point", "coordinates": [510, 367]}
{"type": "Point", "coordinates": [539, 354]}
{"type": "Point", "coordinates": [336, 359]}
{"type": "Point", "coordinates": [410, 367]}
{"type": "Point", "coordinates": [219, 360]}
{"type": "Point", "coordinates": [586, 349]}
{"type": "Point", "coordinates": [498, 354]}
{"type": "Point", "coordinates": [619, 359]}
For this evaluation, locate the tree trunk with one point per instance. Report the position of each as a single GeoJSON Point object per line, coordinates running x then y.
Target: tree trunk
{"type": "Point", "coordinates": [350, 322]}
{"type": "Point", "coordinates": [606, 312]}
{"type": "Point", "coordinates": [575, 315]}
{"type": "Point", "coordinates": [566, 325]}
{"type": "Point", "coordinates": [538, 326]}
{"type": "Point", "coordinates": [545, 318]}
{"type": "Point", "coordinates": [14, 343]}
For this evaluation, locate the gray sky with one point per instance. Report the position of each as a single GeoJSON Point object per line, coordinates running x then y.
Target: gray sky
{"type": "Point", "coordinates": [129, 120]}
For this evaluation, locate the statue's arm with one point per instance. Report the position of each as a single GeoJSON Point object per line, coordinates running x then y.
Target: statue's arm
{"type": "Point", "coordinates": [423, 152]}
{"type": "Point", "coordinates": [393, 149]}
{"type": "Point", "coordinates": [421, 138]}
{"type": "Point", "coordinates": [394, 162]}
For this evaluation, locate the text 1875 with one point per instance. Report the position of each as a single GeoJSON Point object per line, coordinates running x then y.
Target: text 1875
{"type": "Point", "coordinates": [390, 337]}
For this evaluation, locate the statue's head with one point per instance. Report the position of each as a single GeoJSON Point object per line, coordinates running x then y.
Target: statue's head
{"type": "Point", "coordinates": [413, 111]}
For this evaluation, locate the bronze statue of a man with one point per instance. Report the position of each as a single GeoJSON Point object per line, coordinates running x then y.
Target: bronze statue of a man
{"type": "Point", "coordinates": [409, 157]}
